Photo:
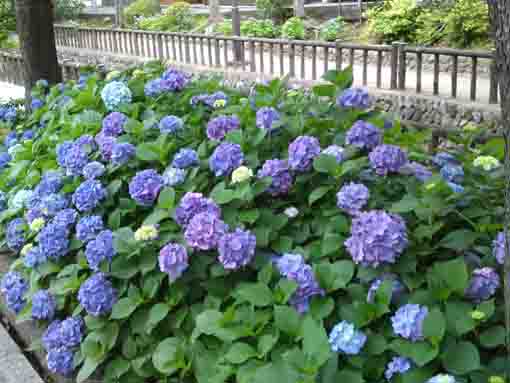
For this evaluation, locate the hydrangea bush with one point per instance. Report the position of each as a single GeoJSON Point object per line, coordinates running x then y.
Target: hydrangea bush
{"type": "Point", "coordinates": [174, 228]}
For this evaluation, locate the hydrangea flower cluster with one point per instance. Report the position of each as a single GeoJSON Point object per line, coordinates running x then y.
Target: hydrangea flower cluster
{"type": "Point", "coordinates": [302, 151]}
{"type": "Point", "coordinates": [335, 151]}
{"type": "Point", "coordinates": [386, 159]}
{"type": "Point", "coordinates": [293, 267]}
{"type": "Point", "coordinates": [13, 288]}
{"type": "Point", "coordinates": [145, 186]}
{"type": "Point", "coordinates": [281, 178]}
{"type": "Point", "coordinates": [93, 170]}
{"type": "Point", "coordinates": [53, 240]}
{"type": "Point", "coordinates": [354, 98]}
{"type": "Point", "coordinates": [5, 158]}
{"type": "Point", "coordinates": [218, 127]}
{"type": "Point", "coordinates": [43, 305]}
{"type": "Point", "coordinates": [452, 173]}
{"type": "Point", "coordinates": [487, 163]}
{"type": "Point", "coordinates": [122, 153]}
{"type": "Point", "coordinates": [442, 378]}
{"type": "Point", "coordinates": [88, 195]}
{"type": "Point", "coordinates": [147, 233]}
{"type": "Point", "coordinates": [36, 103]}
{"type": "Point", "coordinates": [352, 198]}
{"type": "Point", "coordinates": [204, 231]}
{"type": "Point", "coordinates": [97, 295]}
{"type": "Point", "coordinates": [171, 81]}
{"type": "Point", "coordinates": [100, 248]}
{"type": "Point", "coordinates": [170, 125]}
{"type": "Point", "coordinates": [115, 94]}
{"type": "Point", "coordinates": [408, 320]}
{"type": "Point", "coordinates": [185, 158]}
{"type": "Point", "coordinates": [398, 365]}
{"type": "Point", "coordinates": [15, 234]}
{"type": "Point", "coordinates": [241, 174]}
{"type": "Point", "coordinates": [225, 158]}
{"type": "Point", "coordinates": [377, 238]}
{"type": "Point", "coordinates": [236, 249]}
{"type": "Point", "coordinates": [363, 135]}
{"type": "Point", "coordinates": [483, 284]}
{"type": "Point", "coordinates": [113, 124]}
{"type": "Point", "coordinates": [345, 338]}
{"type": "Point", "coordinates": [174, 176]}
{"type": "Point", "coordinates": [192, 204]}
{"type": "Point", "coordinates": [443, 158]}
{"type": "Point", "coordinates": [421, 172]}
{"type": "Point", "coordinates": [209, 99]}
{"type": "Point", "coordinates": [498, 248]}
{"type": "Point", "coordinates": [34, 257]}
{"type": "Point", "coordinates": [89, 227]}
{"type": "Point", "coordinates": [173, 260]}
{"type": "Point", "coordinates": [105, 144]}
{"type": "Point", "coordinates": [8, 113]}
{"type": "Point", "coordinates": [267, 117]}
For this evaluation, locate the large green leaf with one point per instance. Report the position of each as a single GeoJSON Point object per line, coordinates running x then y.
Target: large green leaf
{"type": "Point", "coordinates": [169, 356]}
{"type": "Point", "coordinates": [461, 358]}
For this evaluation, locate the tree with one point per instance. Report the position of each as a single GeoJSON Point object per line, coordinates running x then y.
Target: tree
{"type": "Point", "coordinates": [214, 11]}
{"type": "Point", "coordinates": [299, 8]}
{"type": "Point", "coordinates": [34, 23]}
{"type": "Point", "coordinates": [499, 13]}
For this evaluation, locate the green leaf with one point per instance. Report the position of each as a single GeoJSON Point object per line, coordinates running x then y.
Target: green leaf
{"type": "Point", "coordinates": [458, 317]}
{"type": "Point", "coordinates": [321, 307]}
{"type": "Point", "coordinates": [156, 217]}
{"type": "Point", "coordinates": [168, 356]}
{"type": "Point", "coordinates": [334, 276]}
{"type": "Point", "coordinates": [317, 194]}
{"type": "Point", "coordinates": [114, 219]}
{"type": "Point", "coordinates": [257, 294]}
{"type": "Point", "coordinates": [420, 352]}
{"type": "Point", "coordinates": [284, 290]}
{"type": "Point", "coordinates": [224, 196]}
{"type": "Point", "coordinates": [342, 79]}
{"type": "Point", "coordinates": [376, 344]}
{"type": "Point", "coordinates": [324, 90]}
{"type": "Point", "coordinates": [157, 313]}
{"type": "Point", "coordinates": [279, 372]}
{"type": "Point", "coordinates": [240, 353]}
{"type": "Point", "coordinates": [349, 376]}
{"type": "Point", "coordinates": [461, 358]}
{"type": "Point", "coordinates": [266, 342]}
{"type": "Point", "coordinates": [249, 216]}
{"type": "Point", "coordinates": [459, 240]}
{"type": "Point", "coordinates": [166, 198]}
{"type": "Point", "coordinates": [209, 322]}
{"type": "Point", "coordinates": [287, 320]}
{"type": "Point", "coordinates": [405, 205]}
{"type": "Point", "coordinates": [147, 152]}
{"type": "Point", "coordinates": [87, 369]}
{"type": "Point", "coordinates": [434, 326]}
{"type": "Point", "coordinates": [493, 337]}
{"type": "Point", "coordinates": [331, 243]}
{"type": "Point", "coordinates": [124, 308]}
{"type": "Point", "coordinates": [315, 341]}
{"type": "Point", "coordinates": [325, 163]}
{"type": "Point", "coordinates": [116, 368]}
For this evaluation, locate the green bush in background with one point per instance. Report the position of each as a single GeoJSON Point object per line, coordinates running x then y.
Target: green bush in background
{"type": "Point", "coordinates": [294, 29]}
{"type": "Point", "coordinates": [176, 18]}
{"type": "Point", "coordinates": [141, 8]}
{"type": "Point", "coordinates": [331, 29]}
{"type": "Point", "coordinates": [259, 28]}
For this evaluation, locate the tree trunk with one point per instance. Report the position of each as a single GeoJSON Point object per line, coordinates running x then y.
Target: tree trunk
{"type": "Point", "coordinates": [499, 13]}
{"type": "Point", "coordinates": [214, 11]}
{"type": "Point", "coordinates": [299, 8]}
{"type": "Point", "coordinates": [34, 23]}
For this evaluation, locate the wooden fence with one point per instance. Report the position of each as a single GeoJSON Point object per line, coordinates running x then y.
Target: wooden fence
{"type": "Point", "coordinates": [305, 60]}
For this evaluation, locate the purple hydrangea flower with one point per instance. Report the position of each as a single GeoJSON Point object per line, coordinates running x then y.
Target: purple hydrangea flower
{"type": "Point", "coordinates": [225, 159]}
{"type": "Point", "coordinates": [13, 287]}
{"type": "Point", "coordinates": [398, 365]}
{"type": "Point", "coordinates": [93, 170]}
{"type": "Point", "coordinates": [452, 173]}
{"type": "Point", "coordinates": [209, 99]}
{"type": "Point", "coordinates": [60, 361]}
{"type": "Point", "coordinates": [397, 288]}
{"type": "Point", "coordinates": [185, 158]}
{"type": "Point", "coordinates": [88, 195]}
{"type": "Point", "coordinates": [145, 186]}
{"type": "Point", "coordinates": [377, 238]}
{"type": "Point", "coordinates": [67, 333]}
{"type": "Point", "coordinates": [113, 124]}
{"type": "Point", "coordinates": [346, 339]}
{"type": "Point", "coordinates": [122, 153]}
{"type": "Point", "coordinates": [66, 218]}
{"type": "Point", "coordinates": [53, 240]}
{"type": "Point", "coordinates": [97, 295]}
{"type": "Point", "coordinates": [28, 135]}
{"type": "Point", "coordinates": [204, 231]}
{"type": "Point", "coordinates": [335, 151]}
{"type": "Point", "coordinates": [442, 158]}
{"type": "Point", "coordinates": [173, 260]}
{"type": "Point", "coordinates": [15, 234]}
{"type": "Point", "coordinates": [174, 80]}
{"type": "Point", "coordinates": [75, 160]}
{"type": "Point", "coordinates": [89, 227]}
{"type": "Point", "coordinates": [293, 267]}
{"type": "Point", "coordinates": [281, 178]}
{"type": "Point", "coordinates": [192, 204]}
{"type": "Point", "coordinates": [218, 127]}
{"type": "Point", "coordinates": [50, 183]}
{"type": "Point", "coordinates": [36, 104]}
{"type": "Point", "coordinates": [352, 198]}
{"type": "Point", "coordinates": [407, 321]}
{"type": "Point", "coordinates": [114, 94]}
{"type": "Point", "coordinates": [34, 257]}
{"type": "Point", "coordinates": [86, 143]}
{"type": "Point", "coordinates": [498, 248]}
{"type": "Point", "coordinates": [483, 284]}
{"type": "Point", "coordinates": [43, 305]}
{"type": "Point", "coordinates": [153, 88]}
{"type": "Point", "coordinates": [266, 117]}
{"type": "Point", "coordinates": [8, 114]}
{"type": "Point", "coordinates": [363, 135]}
{"type": "Point", "coordinates": [302, 151]}
{"type": "Point", "coordinates": [354, 98]}
{"type": "Point", "coordinates": [105, 144]}
{"type": "Point", "coordinates": [386, 159]}
{"type": "Point", "coordinates": [236, 249]}
{"type": "Point", "coordinates": [10, 139]}
{"type": "Point", "coordinates": [100, 249]}
{"type": "Point", "coordinates": [62, 150]}
{"type": "Point", "coordinates": [51, 204]}
{"type": "Point", "coordinates": [421, 172]}
{"type": "Point", "coordinates": [170, 125]}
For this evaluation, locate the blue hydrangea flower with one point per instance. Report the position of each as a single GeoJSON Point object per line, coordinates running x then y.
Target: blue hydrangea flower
{"type": "Point", "coordinates": [42, 83]}
{"type": "Point", "coordinates": [34, 257]}
{"type": "Point", "coordinates": [10, 139]}
{"type": "Point", "coordinates": [75, 160]}
{"type": "Point", "coordinates": [113, 124]}
{"type": "Point", "coordinates": [51, 204]}
{"type": "Point", "coordinates": [122, 153]}
{"type": "Point", "coordinates": [218, 127]}
{"type": "Point", "coordinates": [225, 159]}
{"type": "Point", "coordinates": [5, 158]}
{"type": "Point", "coordinates": [483, 284]}
{"type": "Point", "coordinates": [8, 114]}
{"type": "Point", "coordinates": [421, 172]}
{"type": "Point", "coordinates": [36, 103]}
{"type": "Point", "coordinates": [442, 159]}
{"type": "Point", "coordinates": [408, 320]}
{"type": "Point", "coordinates": [174, 80]}
{"type": "Point", "coordinates": [281, 178]}
{"type": "Point", "coordinates": [267, 117]}
{"type": "Point", "coordinates": [53, 240]}
{"type": "Point", "coordinates": [66, 333]}
{"type": "Point", "coordinates": [363, 135]}
{"type": "Point", "coordinates": [62, 150]}
{"type": "Point", "coordinates": [27, 135]}
{"type": "Point", "coordinates": [115, 94]}
{"type": "Point", "coordinates": [204, 231]}
{"type": "Point", "coordinates": [335, 151]}
{"type": "Point", "coordinates": [354, 98]}
{"type": "Point", "coordinates": [210, 100]}
{"type": "Point", "coordinates": [452, 173]}
{"type": "Point", "coordinates": [236, 249]}
{"type": "Point", "coordinates": [15, 234]}
{"type": "Point", "coordinates": [105, 144]}
{"type": "Point", "coordinates": [88, 195]}
{"type": "Point", "coordinates": [173, 260]}
{"type": "Point", "coordinates": [145, 186]}
{"type": "Point", "coordinates": [66, 218]}
{"type": "Point", "coordinates": [93, 170]}
{"type": "Point", "coordinates": [86, 143]}
{"type": "Point", "coordinates": [89, 227]}
{"type": "Point", "coordinates": [174, 176]}
{"type": "Point", "coordinates": [398, 365]}
{"type": "Point", "coordinates": [60, 361]}
{"type": "Point", "coordinates": [455, 187]}
{"type": "Point", "coordinates": [43, 305]}
{"type": "Point", "coordinates": [170, 125]}
{"type": "Point", "coordinates": [50, 183]}
{"type": "Point", "coordinates": [185, 158]}
{"type": "Point", "coordinates": [13, 287]}
{"type": "Point", "coordinates": [192, 204]}
{"type": "Point", "coordinates": [97, 295]}
{"type": "Point", "coordinates": [302, 151]}
{"type": "Point", "coordinates": [153, 88]}
{"type": "Point", "coordinates": [100, 249]}
{"type": "Point", "coordinates": [442, 378]}
{"type": "Point", "coordinates": [352, 198]}
{"type": "Point", "coordinates": [346, 339]}
{"type": "Point", "coordinates": [3, 201]}
{"type": "Point", "coordinates": [386, 159]}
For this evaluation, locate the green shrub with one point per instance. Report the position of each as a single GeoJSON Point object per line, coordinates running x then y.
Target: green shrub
{"type": "Point", "coordinates": [332, 29]}
{"type": "Point", "coordinates": [431, 26]}
{"type": "Point", "coordinates": [278, 10]}
{"type": "Point", "coordinates": [224, 28]}
{"type": "Point", "coordinates": [395, 20]}
{"type": "Point", "coordinates": [259, 28]}
{"type": "Point", "coordinates": [294, 29]}
{"type": "Point", "coordinates": [141, 8]}
{"type": "Point", "coordinates": [176, 18]}
{"type": "Point", "coordinates": [68, 9]}
{"type": "Point", "coordinates": [467, 23]}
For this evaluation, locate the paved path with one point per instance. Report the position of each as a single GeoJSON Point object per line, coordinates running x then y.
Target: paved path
{"type": "Point", "coordinates": [8, 92]}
